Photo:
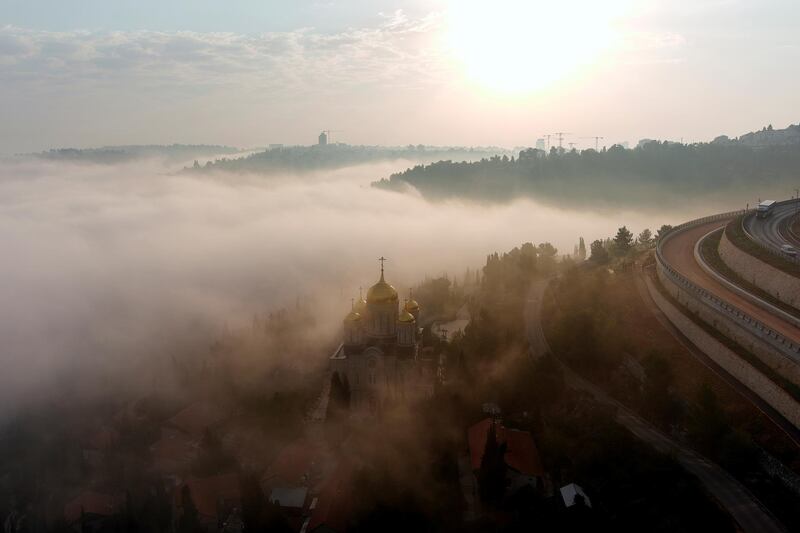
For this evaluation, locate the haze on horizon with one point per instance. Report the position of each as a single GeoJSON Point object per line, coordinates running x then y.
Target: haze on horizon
{"type": "Point", "coordinates": [422, 71]}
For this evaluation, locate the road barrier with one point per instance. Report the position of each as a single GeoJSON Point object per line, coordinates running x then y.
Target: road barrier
{"type": "Point", "coordinates": [760, 330]}
{"type": "Point", "coordinates": [769, 247]}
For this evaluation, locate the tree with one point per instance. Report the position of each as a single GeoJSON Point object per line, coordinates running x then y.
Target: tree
{"type": "Point", "coordinates": [599, 253]}
{"type": "Point", "coordinates": [659, 400]}
{"type": "Point", "coordinates": [346, 393]}
{"type": "Point", "coordinates": [623, 241]}
{"type": "Point", "coordinates": [662, 231]}
{"type": "Point", "coordinates": [707, 425]}
{"type": "Point", "coordinates": [338, 398]}
{"type": "Point", "coordinates": [645, 238]}
{"type": "Point", "coordinates": [492, 472]}
{"type": "Point", "coordinates": [188, 517]}
{"type": "Point", "coordinates": [581, 249]}
{"type": "Point", "coordinates": [547, 250]}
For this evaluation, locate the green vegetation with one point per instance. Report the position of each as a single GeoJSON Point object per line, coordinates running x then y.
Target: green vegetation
{"type": "Point", "coordinates": [300, 159]}
{"type": "Point", "coordinates": [589, 301]}
{"type": "Point", "coordinates": [112, 155]}
{"type": "Point", "coordinates": [655, 174]}
{"type": "Point", "coordinates": [670, 389]}
{"type": "Point", "coordinates": [623, 242]}
{"type": "Point", "coordinates": [578, 440]}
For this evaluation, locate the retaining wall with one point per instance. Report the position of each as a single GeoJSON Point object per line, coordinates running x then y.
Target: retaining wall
{"type": "Point", "coordinates": [743, 371]}
{"type": "Point", "coordinates": [732, 329]}
{"type": "Point", "coordinates": [776, 282]}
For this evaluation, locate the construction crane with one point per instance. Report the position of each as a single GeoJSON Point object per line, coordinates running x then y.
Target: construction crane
{"type": "Point", "coordinates": [596, 141]}
{"type": "Point", "coordinates": [560, 135]}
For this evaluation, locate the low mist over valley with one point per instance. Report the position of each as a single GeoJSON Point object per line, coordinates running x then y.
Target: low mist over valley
{"type": "Point", "coordinates": [399, 266]}
{"type": "Point", "coordinates": [107, 264]}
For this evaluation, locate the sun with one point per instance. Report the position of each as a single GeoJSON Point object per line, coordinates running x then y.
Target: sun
{"type": "Point", "coordinates": [519, 46]}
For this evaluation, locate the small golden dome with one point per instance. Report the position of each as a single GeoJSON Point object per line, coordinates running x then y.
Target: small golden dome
{"type": "Point", "coordinates": [352, 316]}
{"type": "Point", "coordinates": [405, 316]}
{"type": "Point", "coordinates": [381, 292]}
{"type": "Point", "coordinates": [411, 306]}
{"type": "Point", "coordinates": [360, 305]}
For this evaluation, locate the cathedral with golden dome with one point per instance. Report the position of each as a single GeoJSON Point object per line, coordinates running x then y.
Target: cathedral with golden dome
{"type": "Point", "coordinates": [380, 355]}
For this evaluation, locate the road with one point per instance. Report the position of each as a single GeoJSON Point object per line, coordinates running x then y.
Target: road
{"type": "Point", "coordinates": [678, 251]}
{"type": "Point", "coordinates": [772, 230]}
{"type": "Point", "coordinates": [740, 503]}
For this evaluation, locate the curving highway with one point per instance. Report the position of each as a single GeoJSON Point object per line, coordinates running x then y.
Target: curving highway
{"type": "Point", "coordinates": [772, 230]}
{"type": "Point", "coordinates": [678, 251]}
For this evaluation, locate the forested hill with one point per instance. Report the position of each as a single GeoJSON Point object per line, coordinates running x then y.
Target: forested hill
{"type": "Point", "coordinates": [110, 155]}
{"type": "Point", "coordinates": [656, 173]}
{"type": "Point", "coordinates": [333, 156]}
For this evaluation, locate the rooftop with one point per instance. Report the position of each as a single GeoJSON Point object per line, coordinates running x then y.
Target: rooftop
{"type": "Point", "coordinates": [94, 503]}
{"type": "Point", "coordinates": [521, 452]}
{"type": "Point", "coordinates": [294, 498]}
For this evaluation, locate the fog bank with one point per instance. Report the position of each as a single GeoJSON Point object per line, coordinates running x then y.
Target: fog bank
{"type": "Point", "coordinates": [105, 266]}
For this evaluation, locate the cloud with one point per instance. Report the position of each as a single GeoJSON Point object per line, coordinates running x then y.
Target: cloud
{"type": "Point", "coordinates": [397, 51]}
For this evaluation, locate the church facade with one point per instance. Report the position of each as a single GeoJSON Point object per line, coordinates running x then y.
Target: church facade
{"type": "Point", "coordinates": [381, 355]}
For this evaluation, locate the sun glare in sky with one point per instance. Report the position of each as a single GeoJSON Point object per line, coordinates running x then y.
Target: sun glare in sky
{"type": "Point", "coordinates": [519, 46]}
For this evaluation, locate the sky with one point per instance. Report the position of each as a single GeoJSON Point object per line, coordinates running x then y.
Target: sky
{"type": "Point", "coordinates": [249, 73]}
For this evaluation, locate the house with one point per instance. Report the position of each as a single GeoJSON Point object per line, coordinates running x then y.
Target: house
{"type": "Point", "coordinates": [296, 465]}
{"type": "Point", "coordinates": [294, 505]}
{"type": "Point", "coordinates": [198, 417]}
{"type": "Point", "coordinates": [290, 499]}
{"type": "Point", "coordinates": [524, 467]}
{"type": "Point", "coordinates": [93, 511]}
{"type": "Point", "coordinates": [98, 444]}
{"type": "Point", "coordinates": [330, 512]}
{"type": "Point", "coordinates": [216, 498]}
{"type": "Point", "coordinates": [174, 451]}
{"type": "Point", "coordinates": [572, 492]}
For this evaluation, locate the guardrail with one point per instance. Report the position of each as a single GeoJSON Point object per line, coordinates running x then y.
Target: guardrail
{"type": "Point", "coordinates": [771, 248]}
{"type": "Point", "coordinates": [752, 298]}
{"type": "Point", "coordinates": [748, 323]}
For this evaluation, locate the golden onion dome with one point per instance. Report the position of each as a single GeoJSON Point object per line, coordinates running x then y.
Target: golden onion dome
{"type": "Point", "coordinates": [411, 306]}
{"type": "Point", "coordinates": [381, 292]}
{"type": "Point", "coordinates": [353, 316]}
{"type": "Point", "coordinates": [405, 317]}
{"type": "Point", "coordinates": [360, 306]}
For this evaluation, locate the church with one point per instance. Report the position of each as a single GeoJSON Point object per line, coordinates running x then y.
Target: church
{"type": "Point", "coordinates": [381, 352]}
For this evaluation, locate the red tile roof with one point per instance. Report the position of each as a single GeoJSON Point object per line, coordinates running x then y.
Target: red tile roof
{"type": "Point", "coordinates": [198, 417]}
{"type": "Point", "coordinates": [334, 505]}
{"type": "Point", "coordinates": [293, 465]}
{"type": "Point", "coordinates": [521, 453]}
{"type": "Point", "coordinates": [91, 503]}
{"type": "Point", "coordinates": [207, 493]}
{"type": "Point", "coordinates": [173, 450]}
{"type": "Point", "coordinates": [102, 439]}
